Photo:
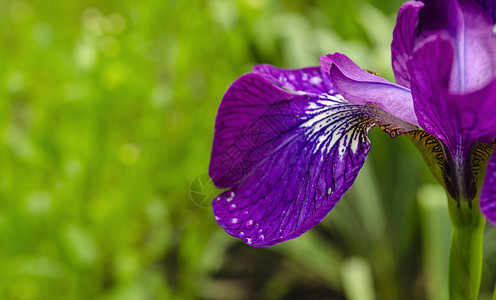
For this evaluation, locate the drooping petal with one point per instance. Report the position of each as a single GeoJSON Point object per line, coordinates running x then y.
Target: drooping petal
{"type": "Point", "coordinates": [306, 80]}
{"type": "Point", "coordinates": [404, 36]}
{"type": "Point", "coordinates": [235, 115]}
{"type": "Point", "coordinates": [286, 155]}
{"type": "Point", "coordinates": [457, 119]}
{"type": "Point", "coordinates": [360, 87]}
{"type": "Point", "coordinates": [488, 195]}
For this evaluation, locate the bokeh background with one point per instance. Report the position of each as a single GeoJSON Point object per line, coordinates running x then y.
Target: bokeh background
{"type": "Point", "coordinates": [107, 111]}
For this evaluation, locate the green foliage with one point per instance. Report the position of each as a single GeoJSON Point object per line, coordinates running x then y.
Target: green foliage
{"type": "Point", "coordinates": [107, 111]}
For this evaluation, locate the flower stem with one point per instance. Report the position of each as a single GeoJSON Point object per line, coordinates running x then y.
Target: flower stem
{"type": "Point", "coordinates": [465, 264]}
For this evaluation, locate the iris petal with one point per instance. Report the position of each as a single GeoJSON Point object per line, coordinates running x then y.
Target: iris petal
{"type": "Point", "coordinates": [488, 196]}
{"type": "Point", "coordinates": [430, 68]}
{"type": "Point", "coordinates": [306, 80]}
{"type": "Point", "coordinates": [360, 87]}
{"type": "Point", "coordinates": [440, 15]}
{"type": "Point", "coordinates": [404, 36]}
{"type": "Point", "coordinates": [457, 119]}
{"type": "Point", "coordinates": [287, 155]}
{"type": "Point", "coordinates": [471, 30]}
{"type": "Point", "coordinates": [476, 113]}
{"type": "Point", "coordinates": [249, 100]}
{"type": "Point", "coordinates": [490, 7]}
{"type": "Point", "coordinates": [475, 65]}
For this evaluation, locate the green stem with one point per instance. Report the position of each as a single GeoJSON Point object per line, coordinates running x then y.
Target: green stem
{"type": "Point", "coordinates": [465, 264]}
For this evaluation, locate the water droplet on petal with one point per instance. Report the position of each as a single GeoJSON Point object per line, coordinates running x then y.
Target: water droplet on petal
{"type": "Point", "coordinates": [234, 220]}
{"type": "Point", "coordinates": [249, 223]}
{"type": "Point", "coordinates": [260, 231]}
{"type": "Point", "coordinates": [241, 234]}
{"type": "Point", "coordinates": [247, 240]}
{"type": "Point", "coordinates": [232, 207]}
{"type": "Point", "coordinates": [261, 237]}
{"type": "Point", "coordinates": [315, 80]}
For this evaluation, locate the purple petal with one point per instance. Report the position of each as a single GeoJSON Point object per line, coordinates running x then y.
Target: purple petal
{"type": "Point", "coordinates": [476, 113]}
{"type": "Point", "coordinates": [490, 7]}
{"type": "Point", "coordinates": [307, 80]}
{"type": "Point", "coordinates": [440, 15]}
{"type": "Point", "coordinates": [475, 65]}
{"type": "Point", "coordinates": [457, 119]}
{"type": "Point", "coordinates": [488, 195]}
{"type": "Point", "coordinates": [430, 68]}
{"type": "Point", "coordinates": [287, 157]}
{"type": "Point", "coordinates": [471, 30]}
{"type": "Point", "coordinates": [360, 87]}
{"type": "Point", "coordinates": [232, 167]}
{"type": "Point", "coordinates": [404, 36]}
{"type": "Point", "coordinates": [348, 68]}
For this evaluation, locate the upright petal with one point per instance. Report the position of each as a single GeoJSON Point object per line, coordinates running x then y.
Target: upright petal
{"type": "Point", "coordinates": [490, 7]}
{"type": "Point", "coordinates": [457, 119]}
{"type": "Point", "coordinates": [404, 37]}
{"type": "Point", "coordinates": [430, 68]}
{"type": "Point", "coordinates": [287, 155]}
{"type": "Point", "coordinates": [361, 87]}
{"type": "Point", "coordinates": [439, 15]}
{"type": "Point", "coordinates": [476, 111]}
{"type": "Point", "coordinates": [471, 30]}
{"type": "Point", "coordinates": [476, 50]}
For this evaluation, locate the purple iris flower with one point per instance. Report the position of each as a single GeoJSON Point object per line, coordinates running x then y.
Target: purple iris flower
{"type": "Point", "coordinates": [289, 143]}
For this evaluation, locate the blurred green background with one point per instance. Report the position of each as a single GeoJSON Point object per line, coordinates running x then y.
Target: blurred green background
{"type": "Point", "coordinates": [107, 114]}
